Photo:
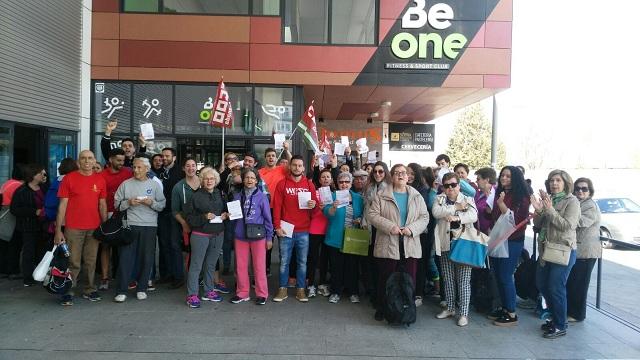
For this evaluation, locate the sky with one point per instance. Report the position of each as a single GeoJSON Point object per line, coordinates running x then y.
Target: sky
{"type": "Point", "coordinates": [573, 94]}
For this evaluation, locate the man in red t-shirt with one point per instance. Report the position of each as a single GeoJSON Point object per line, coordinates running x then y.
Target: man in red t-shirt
{"type": "Point", "coordinates": [114, 174]}
{"type": "Point", "coordinates": [83, 206]}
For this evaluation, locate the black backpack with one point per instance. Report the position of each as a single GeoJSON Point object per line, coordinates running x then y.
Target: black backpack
{"type": "Point", "coordinates": [115, 231]}
{"type": "Point", "coordinates": [399, 304]}
{"type": "Point", "coordinates": [483, 290]}
{"type": "Point", "coordinates": [525, 277]}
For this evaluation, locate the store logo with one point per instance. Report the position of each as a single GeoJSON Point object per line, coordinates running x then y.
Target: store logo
{"type": "Point", "coordinates": [406, 45]}
{"type": "Point", "coordinates": [99, 88]}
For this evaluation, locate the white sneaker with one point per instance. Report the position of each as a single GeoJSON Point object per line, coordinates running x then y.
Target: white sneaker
{"type": "Point", "coordinates": [418, 301]}
{"type": "Point", "coordinates": [445, 314]}
{"type": "Point", "coordinates": [354, 299]}
{"type": "Point", "coordinates": [141, 295]}
{"type": "Point", "coordinates": [120, 298]}
{"type": "Point", "coordinates": [463, 321]}
{"type": "Point", "coordinates": [312, 291]}
{"type": "Point", "coordinates": [334, 298]}
{"type": "Point", "coordinates": [324, 290]}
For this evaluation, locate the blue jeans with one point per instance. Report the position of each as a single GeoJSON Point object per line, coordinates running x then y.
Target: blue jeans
{"type": "Point", "coordinates": [551, 280]}
{"type": "Point", "coordinates": [300, 242]}
{"type": "Point", "coordinates": [503, 269]}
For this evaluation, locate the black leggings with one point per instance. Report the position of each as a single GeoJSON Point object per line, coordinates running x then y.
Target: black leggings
{"type": "Point", "coordinates": [315, 244]}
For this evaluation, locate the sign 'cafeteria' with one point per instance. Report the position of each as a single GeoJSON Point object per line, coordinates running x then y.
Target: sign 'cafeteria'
{"type": "Point", "coordinates": [411, 137]}
{"type": "Point", "coordinates": [406, 45]}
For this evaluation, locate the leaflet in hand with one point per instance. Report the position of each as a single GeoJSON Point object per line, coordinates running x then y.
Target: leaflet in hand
{"type": "Point", "coordinates": [325, 195]}
{"type": "Point", "coordinates": [343, 197]}
{"type": "Point", "coordinates": [339, 149]}
{"type": "Point", "coordinates": [216, 220]}
{"type": "Point", "coordinates": [235, 210]}
{"type": "Point", "coordinates": [303, 199]}
{"type": "Point", "coordinates": [490, 198]}
{"type": "Point", "coordinates": [287, 228]}
{"type": "Point", "coordinates": [147, 131]}
{"type": "Point", "coordinates": [279, 141]}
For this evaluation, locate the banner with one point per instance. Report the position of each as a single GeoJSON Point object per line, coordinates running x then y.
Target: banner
{"type": "Point", "coordinates": [325, 145]}
{"type": "Point", "coordinates": [309, 130]}
{"type": "Point", "coordinates": [222, 112]}
{"type": "Point", "coordinates": [411, 137]}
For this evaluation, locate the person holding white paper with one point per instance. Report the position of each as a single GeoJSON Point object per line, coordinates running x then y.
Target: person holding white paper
{"type": "Point", "coordinates": [255, 211]}
{"type": "Point", "coordinates": [486, 179]}
{"type": "Point", "coordinates": [286, 207]}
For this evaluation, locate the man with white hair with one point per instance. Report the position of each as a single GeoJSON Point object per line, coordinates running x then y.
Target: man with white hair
{"type": "Point", "coordinates": [142, 198]}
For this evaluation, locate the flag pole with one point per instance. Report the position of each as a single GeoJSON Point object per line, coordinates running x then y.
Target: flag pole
{"type": "Point", "coordinates": [290, 137]}
{"type": "Point", "coordinates": [223, 128]}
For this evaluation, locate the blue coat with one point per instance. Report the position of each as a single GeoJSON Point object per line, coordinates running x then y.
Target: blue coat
{"type": "Point", "coordinates": [335, 230]}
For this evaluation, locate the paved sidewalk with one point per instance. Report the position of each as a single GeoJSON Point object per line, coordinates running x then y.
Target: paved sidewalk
{"type": "Point", "coordinates": [34, 326]}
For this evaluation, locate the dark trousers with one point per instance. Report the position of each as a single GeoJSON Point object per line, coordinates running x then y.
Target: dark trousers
{"type": "Point", "coordinates": [578, 288]}
{"type": "Point", "coordinates": [170, 248]}
{"type": "Point", "coordinates": [344, 272]}
{"type": "Point", "coordinates": [386, 267]}
{"type": "Point", "coordinates": [323, 263]}
{"type": "Point", "coordinates": [227, 244]}
{"type": "Point", "coordinates": [423, 264]}
{"type": "Point", "coordinates": [10, 255]}
{"type": "Point", "coordinates": [29, 244]}
{"type": "Point", "coordinates": [315, 245]}
{"type": "Point", "coordinates": [370, 267]}
{"type": "Point", "coordinates": [140, 253]}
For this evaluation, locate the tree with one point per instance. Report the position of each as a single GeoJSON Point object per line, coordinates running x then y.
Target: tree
{"type": "Point", "coordinates": [470, 142]}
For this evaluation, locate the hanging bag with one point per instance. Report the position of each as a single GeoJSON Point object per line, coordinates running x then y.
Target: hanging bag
{"type": "Point", "coordinates": [356, 241]}
{"type": "Point", "coordinates": [556, 253]}
{"type": "Point", "coordinates": [470, 248]}
{"type": "Point", "coordinates": [40, 272]}
{"type": "Point", "coordinates": [7, 223]}
{"type": "Point", "coordinates": [252, 231]}
{"type": "Point", "coordinates": [115, 231]}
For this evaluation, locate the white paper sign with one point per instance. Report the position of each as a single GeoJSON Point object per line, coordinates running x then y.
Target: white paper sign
{"type": "Point", "coordinates": [279, 141]}
{"type": "Point", "coordinates": [344, 140]}
{"type": "Point", "coordinates": [325, 195]}
{"type": "Point", "coordinates": [343, 196]}
{"type": "Point", "coordinates": [235, 210]}
{"type": "Point", "coordinates": [362, 142]}
{"type": "Point", "coordinates": [490, 198]}
{"type": "Point", "coordinates": [147, 131]}
{"type": "Point", "coordinates": [287, 228]}
{"type": "Point", "coordinates": [216, 220]}
{"type": "Point", "coordinates": [303, 199]}
{"type": "Point", "coordinates": [339, 149]}
{"type": "Point", "coordinates": [371, 157]}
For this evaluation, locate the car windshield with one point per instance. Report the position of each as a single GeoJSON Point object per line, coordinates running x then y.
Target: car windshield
{"type": "Point", "coordinates": [618, 205]}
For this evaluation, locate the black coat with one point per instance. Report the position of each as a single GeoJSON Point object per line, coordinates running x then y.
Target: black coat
{"type": "Point", "coordinates": [203, 202]}
{"type": "Point", "coordinates": [23, 207]}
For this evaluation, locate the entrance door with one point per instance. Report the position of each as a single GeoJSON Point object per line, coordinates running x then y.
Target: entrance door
{"type": "Point", "coordinates": [62, 144]}
{"type": "Point", "coordinates": [207, 151]}
{"type": "Point", "coordinates": [29, 145]}
{"type": "Point", "coordinates": [6, 151]}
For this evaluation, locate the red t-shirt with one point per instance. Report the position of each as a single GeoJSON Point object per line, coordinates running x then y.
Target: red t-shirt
{"type": "Point", "coordinates": [84, 193]}
{"type": "Point", "coordinates": [272, 177]}
{"type": "Point", "coordinates": [113, 181]}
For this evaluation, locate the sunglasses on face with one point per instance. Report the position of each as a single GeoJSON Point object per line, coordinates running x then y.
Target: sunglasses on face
{"type": "Point", "coordinates": [581, 188]}
{"type": "Point", "coordinates": [379, 171]}
{"type": "Point", "coordinates": [344, 182]}
{"type": "Point", "coordinates": [450, 185]}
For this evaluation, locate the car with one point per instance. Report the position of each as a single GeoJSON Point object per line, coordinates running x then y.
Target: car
{"type": "Point", "coordinates": [620, 221]}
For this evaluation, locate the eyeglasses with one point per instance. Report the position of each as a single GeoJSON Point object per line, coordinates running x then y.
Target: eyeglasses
{"type": "Point", "coordinates": [450, 185]}
{"type": "Point", "coordinates": [400, 173]}
{"type": "Point", "coordinates": [231, 159]}
{"type": "Point", "coordinates": [379, 171]}
{"type": "Point", "coordinates": [344, 182]}
{"type": "Point", "coordinates": [581, 188]}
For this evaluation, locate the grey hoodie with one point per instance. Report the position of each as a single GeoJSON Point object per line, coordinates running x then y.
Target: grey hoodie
{"type": "Point", "coordinates": [140, 215]}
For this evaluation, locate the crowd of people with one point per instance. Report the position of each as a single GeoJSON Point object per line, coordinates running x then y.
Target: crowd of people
{"type": "Point", "coordinates": [412, 213]}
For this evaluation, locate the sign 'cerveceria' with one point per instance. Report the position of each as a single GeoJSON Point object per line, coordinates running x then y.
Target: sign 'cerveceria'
{"type": "Point", "coordinates": [405, 45]}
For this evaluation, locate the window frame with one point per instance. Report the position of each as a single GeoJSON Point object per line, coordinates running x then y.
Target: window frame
{"type": "Point", "coordinates": [161, 12]}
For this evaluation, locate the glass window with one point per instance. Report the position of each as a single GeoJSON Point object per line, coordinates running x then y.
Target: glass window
{"type": "Point", "coordinates": [235, 7]}
{"type": "Point", "coordinates": [112, 101]}
{"type": "Point", "coordinates": [353, 22]}
{"type": "Point", "coordinates": [274, 110]}
{"type": "Point", "coordinates": [6, 152]}
{"type": "Point", "coordinates": [153, 104]}
{"type": "Point", "coordinates": [266, 7]}
{"type": "Point", "coordinates": [305, 21]}
{"type": "Point", "coordinates": [141, 5]}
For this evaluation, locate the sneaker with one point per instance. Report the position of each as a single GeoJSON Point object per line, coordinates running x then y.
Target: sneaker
{"type": "Point", "coordinates": [334, 298]}
{"type": "Point", "coordinates": [301, 295]}
{"type": "Point", "coordinates": [104, 285]}
{"type": "Point", "coordinates": [120, 298]}
{"type": "Point", "coordinates": [445, 314]}
{"type": "Point", "coordinates": [506, 320]}
{"type": "Point", "coordinates": [67, 300]}
{"type": "Point", "coordinates": [291, 283]}
{"type": "Point", "coordinates": [212, 296]}
{"type": "Point", "coordinates": [355, 299]}
{"type": "Point", "coordinates": [496, 314]}
{"type": "Point", "coordinates": [193, 301]}
{"type": "Point", "coordinates": [418, 301]}
{"type": "Point", "coordinates": [324, 290]}
{"type": "Point", "coordinates": [281, 295]}
{"type": "Point", "coordinates": [261, 301]}
{"type": "Point", "coordinates": [379, 316]}
{"type": "Point", "coordinates": [237, 299]}
{"type": "Point", "coordinates": [141, 295]}
{"type": "Point", "coordinates": [133, 285]}
{"type": "Point", "coordinates": [221, 287]}
{"type": "Point", "coordinates": [554, 333]}
{"type": "Point", "coordinates": [312, 291]}
{"type": "Point", "coordinates": [463, 321]}
{"type": "Point", "coordinates": [150, 286]}
{"type": "Point", "coordinates": [94, 296]}
{"type": "Point", "coordinates": [548, 325]}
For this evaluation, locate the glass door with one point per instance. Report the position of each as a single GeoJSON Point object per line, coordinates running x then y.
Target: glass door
{"type": "Point", "coordinates": [6, 151]}
{"type": "Point", "coordinates": [62, 144]}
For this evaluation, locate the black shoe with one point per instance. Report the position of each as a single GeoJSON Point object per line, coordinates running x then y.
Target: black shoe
{"type": "Point", "coordinates": [28, 283]}
{"type": "Point", "coordinates": [547, 326]}
{"type": "Point", "coordinates": [93, 297]}
{"type": "Point", "coordinates": [67, 300]}
{"type": "Point", "coordinates": [379, 316]}
{"type": "Point", "coordinates": [506, 320]}
{"type": "Point", "coordinates": [554, 333]}
{"type": "Point", "coordinates": [261, 301]}
{"type": "Point", "coordinates": [496, 314]}
{"type": "Point", "coordinates": [237, 299]}
{"type": "Point", "coordinates": [176, 284]}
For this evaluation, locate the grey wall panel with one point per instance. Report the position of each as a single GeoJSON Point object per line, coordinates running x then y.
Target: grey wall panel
{"type": "Point", "coordinates": [40, 62]}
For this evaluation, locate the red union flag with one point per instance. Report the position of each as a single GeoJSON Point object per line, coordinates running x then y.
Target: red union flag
{"type": "Point", "coordinates": [222, 112]}
{"type": "Point", "coordinates": [324, 144]}
{"type": "Point", "coordinates": [308, 127]}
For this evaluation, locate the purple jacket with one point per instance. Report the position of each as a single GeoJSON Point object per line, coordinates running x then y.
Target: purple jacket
{"type": "Point", "coordinates": [260, 213]}
{"type": "Point", "coordinates": [485, 220]}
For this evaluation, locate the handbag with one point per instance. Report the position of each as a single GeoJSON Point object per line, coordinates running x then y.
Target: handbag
{"type": "Point", "coordinates": [356, 241]}
{"type": "Point", "coordinates": [40, 272]}
{"type": "Point", "coordinates": [470, 248]}
{"type": "Point", "coordinates": [115, 231]}
{"type": "Point", "coordinates": [556, 253]}
{"type": "Point", "coordinates": [252, 231]}
{"type": "Point", "coordinates": [7, 223]}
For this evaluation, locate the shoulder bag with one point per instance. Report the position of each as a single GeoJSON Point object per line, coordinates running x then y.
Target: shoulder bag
{"type": "Point", "coordinates": [115, 231]}
{"type": "Point", "coordinates": [470, 248]}
{"type": "Point", "coordinates": [556, 253]}
{"type": "Point", "coordinates": [7, 224]}
{"type": "Point", "coordinates": [252, 231]}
